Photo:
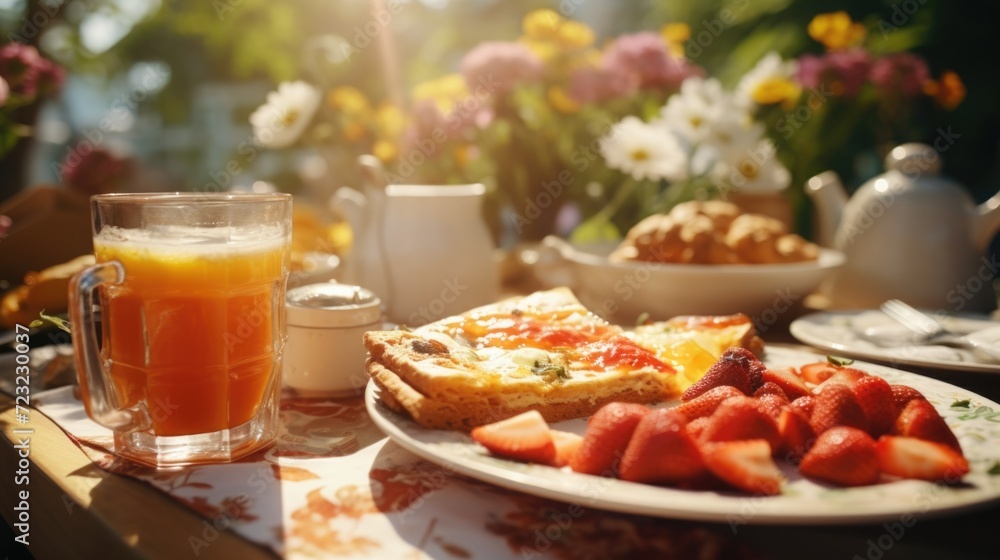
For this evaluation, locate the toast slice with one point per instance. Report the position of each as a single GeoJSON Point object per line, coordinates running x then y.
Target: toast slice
{"type": "Point", "coordinates": [542, 352]}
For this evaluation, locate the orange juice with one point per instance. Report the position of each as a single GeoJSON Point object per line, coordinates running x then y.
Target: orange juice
{"type": "Point", "coordinates": [190, 330]}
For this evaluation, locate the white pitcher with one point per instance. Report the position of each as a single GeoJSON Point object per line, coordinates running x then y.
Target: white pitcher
{"type": "Point", "coordinates": [423, 249]}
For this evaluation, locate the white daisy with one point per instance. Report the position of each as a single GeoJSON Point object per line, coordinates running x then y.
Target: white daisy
{"type": "Point", "coordinates": [759, 171]}
{"type": "Point", "coordinates": [644, 151]}
{"type": "Point", "coordinates": [279, 122]}
{"type": "Point", "coordinates": [732, 137]}
{"type": "Point", "coordinates": [770, 68]}
{"type": "Point", "coordinates": [699, 103]}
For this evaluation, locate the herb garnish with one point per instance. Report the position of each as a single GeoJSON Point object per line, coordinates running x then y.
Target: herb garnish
{"type": "Point", "coordinates": [550, 371]}
{"type": "Point", "coordinates": [961, 404]}
{"type": "Point", "coordinates": [995, 469]}
{"type": "Point", "coordinates": [839, 362]}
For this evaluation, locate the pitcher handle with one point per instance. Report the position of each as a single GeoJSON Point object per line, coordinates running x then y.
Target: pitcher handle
{"type": "Point", "coordinates": [96, 386]}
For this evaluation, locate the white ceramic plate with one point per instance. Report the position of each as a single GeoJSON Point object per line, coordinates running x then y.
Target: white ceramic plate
{"type": "Point", "coordinates": [842, 332]}
{"type": "Point", "coordinates": [802, 503]}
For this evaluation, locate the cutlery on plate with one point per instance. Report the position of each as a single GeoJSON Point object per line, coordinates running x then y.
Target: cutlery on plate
{"type": "Point", "coordinates": [930, 331]}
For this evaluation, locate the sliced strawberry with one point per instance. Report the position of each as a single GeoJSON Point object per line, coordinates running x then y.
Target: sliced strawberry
{"type": "Point", "coordinates": [797, 436]}
{"type": "Point", "coordinates": [805, 405]}
{"type": "Point", "coordinates": [567, 444]}
{"type": "Point", "coordinates": [606, 437]}
{"type": "Point", "coordinates": [847, 376]}
{"type": "Point", "coordinates": [903, 394]}
{"type": "Point", "coordinates": [921, 420]}
{"type": "Point", "coordinates": [817, 372]}
{"type": "Point", "coordinates": [731, 369]}
{"type": "Point", "coordinates": [843, 456]}
{"type": "Point", "coordinates": [875, 397]}
{"type": "Point", "coordinates": [836, 405]}
{"type": "Point", "coordinates": [908, 457]}
{"type": "Point", "coordinates": [706, 403]}
{"type": "Point", "coordinates": [661, 450]}
{"type": "Point", "coordinates": [789, 381]}
{"type": "Point", "coordinates": [696, 428]}
{"type": "Point", "coordinates": [770, 388]}
{"type": "Point", "coordinates": [772, 404]}
{"type": "Point", "coordinates": [742, 418]}
{"type": "Point", "coordinates": [525, 437]}
{"type": "Point", "coordinates": [746, 465]}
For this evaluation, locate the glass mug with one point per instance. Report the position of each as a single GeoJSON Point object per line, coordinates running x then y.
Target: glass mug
{"type": "Point", "coordinates": [192, 323]}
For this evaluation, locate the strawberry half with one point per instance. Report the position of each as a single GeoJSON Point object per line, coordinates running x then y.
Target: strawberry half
{"type": "Point", "coordinates": [846, 375]}
{"type": "Point", "coordinates": [742, 418]}
{"type": "Point", "coordinates": [921, 420]}
{"type": "Point", "coordinates": [727, 370]}
{"type": "Point", "coordinates": [696, 428]}
{"type": "Point", "coordinates": [805, 405]}
{"type": "Point", "coordinates": [817, 372]}
{"type": "Point", "coordinates": [771, 388]}
{"type": "Point", "coordinates": [746, 465]}
{"type": "Point", "coordinates": [606, 437]}
{"type": "Point", "coordinates": [875, 397]}
{"type": "Point", "coordinates": [706, 403]}
{"type": "Point", "coordinates": [903, 394]}
{"type": "Point", "coordinates": [797, 436]}
{"type": "Point", "coordinates": [790, 382]}
{"type": "Point", "coordinates": [567, 444]}
{"type": "Point", "coordinates": [661, 451]}
{"type": "Point", "coordinates": [525, 437]}
{"type": "Point", "coordinates": [772, 404]}
{"type": "Point", "coordinates": [836, 405]}
{"type": "Point", "coordinates": [843, 456]}
{"type": "Point", "coordinates": [908, 457]}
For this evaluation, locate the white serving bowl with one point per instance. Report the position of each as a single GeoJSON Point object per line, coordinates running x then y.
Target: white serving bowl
{"type": "Point", "coordinates": [621, 292]}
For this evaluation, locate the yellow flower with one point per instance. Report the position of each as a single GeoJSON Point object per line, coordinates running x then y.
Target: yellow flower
{"type": "Point", "coordinates": [545, 50]}
{"type": "Point", "coordinates": [836, 31]}
{"type": "Point", "coordinates": [561, 101]}
{"type": "Point", "coordinates": [542, 25]}
{"type": "Point", "coordinates": [389, 120]}
{"type": "Point", "coordinates": [575, 35]}
{"type": "Point", "coordinates": [348, 100]}
{"type": "Point", "coordinates": [775, 90]}
{"type": "Point", "coordinates": [384, 150]}
{"type": "Point", "coordinates": [675, 35]}
{"type": "Point", "coordinates": [444, 92]}
{"type": "Point", "coordinates": [948, 92]}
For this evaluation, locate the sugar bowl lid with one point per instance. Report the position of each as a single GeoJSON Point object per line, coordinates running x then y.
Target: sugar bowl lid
{"type": "Point", "coordinates": [330, 304]}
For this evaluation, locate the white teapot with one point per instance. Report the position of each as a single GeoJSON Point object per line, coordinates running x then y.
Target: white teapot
{"type": "Point", "coordinates": [423, 249]}
{"type": "Point", "coordinates": [908, 234]}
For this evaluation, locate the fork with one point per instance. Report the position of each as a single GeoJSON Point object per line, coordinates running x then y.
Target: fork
{"type": "Point", "coordinates": [931, 331]}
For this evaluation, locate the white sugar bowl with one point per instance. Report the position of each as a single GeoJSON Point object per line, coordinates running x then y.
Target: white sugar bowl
{"type": "Point", "coordinates": [325, 353]}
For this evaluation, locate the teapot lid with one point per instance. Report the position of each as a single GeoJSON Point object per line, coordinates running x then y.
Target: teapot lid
{"type": "Point", "coordinates": [914, 159]}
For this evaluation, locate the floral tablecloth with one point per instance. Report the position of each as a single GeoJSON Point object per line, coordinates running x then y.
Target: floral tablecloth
{"type": "Point", "coordinates": [334, 486]}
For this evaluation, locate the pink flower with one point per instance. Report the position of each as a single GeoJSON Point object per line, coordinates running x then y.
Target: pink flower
{"type": "Point", "coordinates": [596, 84]}
{"type": "Point", "coordinates": [50, 77]}
{"type": "Point", "coordinates": [645, 56]}
{"type": "Point", "coordinates": [903, 73]}
{"type": "Point", "coordinates": [21, 66]}
{"type": "Point", "coordinates": [499, 66]}
{"type": "Point", "coordinates": [97, 172]}
{"type": "Point", "coordinates": [841, 72]}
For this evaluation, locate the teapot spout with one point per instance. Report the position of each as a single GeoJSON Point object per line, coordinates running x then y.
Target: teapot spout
{"type": "Point", "coordinates": [986, 222]}
{"type": "Point", "coordinates": [829, 197]}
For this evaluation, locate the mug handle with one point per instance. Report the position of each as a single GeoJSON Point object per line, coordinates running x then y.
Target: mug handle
{"type": "Point", "coordinates": [96, 388]}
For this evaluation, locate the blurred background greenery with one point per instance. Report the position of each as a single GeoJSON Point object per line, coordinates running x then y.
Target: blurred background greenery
{"type": "Point", "coordinates": [179, 78]}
